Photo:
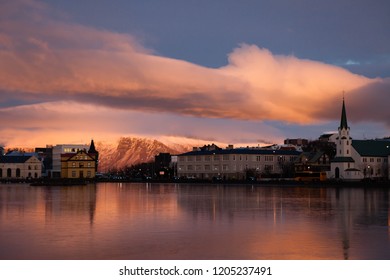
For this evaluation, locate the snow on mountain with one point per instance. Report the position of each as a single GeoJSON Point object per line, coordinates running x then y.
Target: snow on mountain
{"type": "Point", "coordinates": [131, 150]}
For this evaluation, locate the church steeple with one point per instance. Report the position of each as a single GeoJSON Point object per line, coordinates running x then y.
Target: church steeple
{"type": "Point", "coordinates": [92, 148]}
{"type": "Point", "coordinates": [343, 122]}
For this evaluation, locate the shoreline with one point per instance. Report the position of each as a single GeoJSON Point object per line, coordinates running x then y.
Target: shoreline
{"type": "Point", "coordinates": [274, 182]}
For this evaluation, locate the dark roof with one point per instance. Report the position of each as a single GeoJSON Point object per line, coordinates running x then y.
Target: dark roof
{"type": "Point", "coordinates": [372, 148]}
{"type": "Point", "coordinates": [343, 159]}
{"type": "Point", "coordinates": [352, 169]}
{"type": "Point", "coordinates": [343, 121]}
{"type": "Point", "coordinates": [92, 149]}
{"type": "Point", "coordinates": [14, 159]}
{"type": "Point", "coordinates": [242, 151]}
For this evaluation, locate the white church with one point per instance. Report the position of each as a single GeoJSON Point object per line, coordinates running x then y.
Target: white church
{"type": "Point", "coordinates": [358, 159]}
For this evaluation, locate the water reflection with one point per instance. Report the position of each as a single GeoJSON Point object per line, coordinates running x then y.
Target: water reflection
{"type": "Point", "coordinates": [170, 221]}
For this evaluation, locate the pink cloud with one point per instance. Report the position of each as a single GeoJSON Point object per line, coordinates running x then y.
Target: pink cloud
{"type": "Point", "coordinates": [53, 61]}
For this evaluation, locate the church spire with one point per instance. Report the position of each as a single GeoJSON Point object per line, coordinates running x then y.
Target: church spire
{"type": "Point", "coordinates": [92, 148]}
{"type": "Point", "coordinates": [343, 122]}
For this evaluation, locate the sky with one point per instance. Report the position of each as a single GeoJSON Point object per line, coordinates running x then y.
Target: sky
{"type": "Point", "coordinates": [239, 72]}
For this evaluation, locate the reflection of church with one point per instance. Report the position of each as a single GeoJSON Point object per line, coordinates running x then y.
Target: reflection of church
{"type": "Point", "coordinates": [358, 159]}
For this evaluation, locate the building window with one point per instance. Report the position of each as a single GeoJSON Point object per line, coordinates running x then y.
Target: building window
{"type": "Point", "coordinates": [258, 158]}
{"type": "Point", "coordinates": [198, 158]}
{"type": "Point", "coordinates": [17, 172]}
{"type": "Point", "coordinates": [225, 167]}
{"type": "Point", "coordinates": [207, 167]}
{"type": "Point", "coordinates": [9, 172]}
{"type": "Point", "coordinates": [89, 174]}
{"type": "Point", "coordinates": [347, 152]}
{"type": "Point", "coordinates": [1, 173]}
{"type": "Point", "coordinates": [207, 158]}
{"type": "Point", "coordinates": [190, 167]}
{"type": "Point", "coordinates": [225, 157]}
{"type": "Point", "coordinates": [379, 160]}
{"type": "Point", "coordinates": [216, 157]}
{"type": "Point", "coordinates": [364, 159]}
{"type": "Point", "coordinates": [73, 164]}
{"type": "Point", "coordinates": [74, 174]}
{"type": "Point", "coordinates": [269, 158]}
{"type": "Point", "coordinates": [371, 159]}
{"type": "Point", "coordinates": [199, 167]}
{"type": "Point", "coordinates": [216, 167]}
{"type": "Point", "coordinates": [190, 158]}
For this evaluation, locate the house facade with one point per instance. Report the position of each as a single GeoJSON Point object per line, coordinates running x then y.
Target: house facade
{"type": "Point", "coordinates": [213, 162]}
{"type": "Point", "coordinates": [57, 151]}
{"type": "Point", "coordinates": [78, 165]}
{"type": "Point", "coordinates": [20, 167]}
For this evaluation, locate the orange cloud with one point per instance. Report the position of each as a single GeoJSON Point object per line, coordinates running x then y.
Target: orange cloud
{"type": "Point", "coordinates": [53, 61]}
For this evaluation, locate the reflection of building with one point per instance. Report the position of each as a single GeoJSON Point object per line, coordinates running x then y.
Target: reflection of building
{"type": "Point", "coordinates": [358, 159]}
{"type": "Point", "coordinates": [81, 164]}
{"type": "Point", "coordinates": [23, 166]}
{"type": "Point", "coordinates": [210, 161]}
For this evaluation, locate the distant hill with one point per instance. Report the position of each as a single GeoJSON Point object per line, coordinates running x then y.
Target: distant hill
{"type": "Point", "coordinates": [130, 150]}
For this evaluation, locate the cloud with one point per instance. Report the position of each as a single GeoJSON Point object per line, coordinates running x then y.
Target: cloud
{"type": "Point", "coordinates": [47, 59]}
{"type": "Point", "coordinates": [71, 122]}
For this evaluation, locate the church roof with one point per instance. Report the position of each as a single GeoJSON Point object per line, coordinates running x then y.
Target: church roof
{"type": "Point", "coordinates": [372, 148]}
{"type": "Point", "coordinates": [14, 159]}
{"type": "Point", "coordinates": [343, 159]}
{"type": "Point", "coordinates": [343, 121]}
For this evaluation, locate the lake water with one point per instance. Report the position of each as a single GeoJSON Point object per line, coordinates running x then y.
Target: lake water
{"type": "Point", "coordinates": [193, 221]}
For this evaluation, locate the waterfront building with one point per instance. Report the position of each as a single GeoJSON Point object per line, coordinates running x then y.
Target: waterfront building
{"type": "Point", "coordinates": [20, 167]}
{"type": "Point", "coordinates": [80, 164]}
{"type": "Point", "coordinates": [211, 162]}
{"type": "Point", "coordinates": [315, 161]}
{"type": "Point", "coordinates": [58, 150]}
{"type": "Point", "coordinates": [358, 159]}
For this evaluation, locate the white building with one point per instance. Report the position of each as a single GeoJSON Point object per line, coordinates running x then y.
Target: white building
{"type": "Point", "coordinates": [358, 159]}
{"type": "Point", "coordinates": [212, 162]}
{"type": "Point", "coordinates": [20, 167]}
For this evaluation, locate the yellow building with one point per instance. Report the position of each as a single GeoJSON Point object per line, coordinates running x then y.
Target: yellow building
{"type": "Point", "coordinates": [78, 165]}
